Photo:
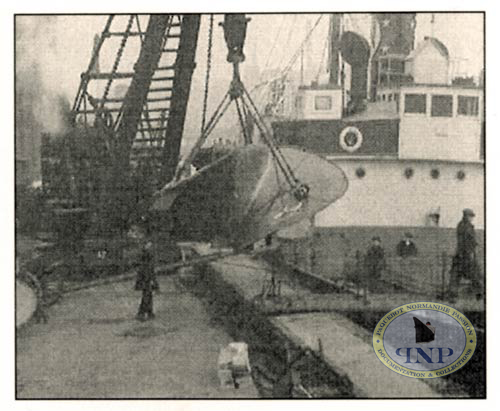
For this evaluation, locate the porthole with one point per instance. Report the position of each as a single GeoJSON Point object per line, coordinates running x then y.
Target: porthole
{"type": "Point", "coordinates": [409, 172]}
{"type": "Point", "coordinates": [435, 173]}
{"type": "Point", "coordinates": [360, 172]}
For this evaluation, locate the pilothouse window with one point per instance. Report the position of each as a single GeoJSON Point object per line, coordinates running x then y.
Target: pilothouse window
{"type": "Point", "coordinates": [323, 103]}
{"type": "Point", "coordinates": [442, 106]}
{"type": "Point", "coordinates": [468, 106]}
{"type": "Point", "coordinates": [415, 103]}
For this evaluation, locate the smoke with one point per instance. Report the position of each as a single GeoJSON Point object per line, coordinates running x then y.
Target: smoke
{"type": "Point", "coordinates": [42, 106]}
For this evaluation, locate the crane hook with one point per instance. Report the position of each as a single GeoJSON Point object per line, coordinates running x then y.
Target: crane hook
{"type": "Point", "coordinates": [235, 31]}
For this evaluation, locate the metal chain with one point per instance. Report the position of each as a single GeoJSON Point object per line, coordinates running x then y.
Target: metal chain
{"type": "Point", "coordinates": [118, 59]}
{"type": "Point", "coordinates": [207, 73]}
{"type": "Point", "coordinates": [205, 128]}
{"type": "Point", "coordinates": [82, 90]}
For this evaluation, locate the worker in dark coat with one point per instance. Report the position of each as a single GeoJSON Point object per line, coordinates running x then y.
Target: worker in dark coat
{"type": "Point", "coordinates": [146, 282]}
{"type": "Point", "coordinates": [406, 247]}
{"type": "Point", "coordinates": [465, 264]}
{"type": "Point", "coordinates": [374, 262]}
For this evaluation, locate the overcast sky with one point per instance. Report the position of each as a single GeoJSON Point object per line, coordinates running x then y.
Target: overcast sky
{"type": "Point", "coordinates": [61, 46]}
{"type": "Point", "coordinates": [64, 43]}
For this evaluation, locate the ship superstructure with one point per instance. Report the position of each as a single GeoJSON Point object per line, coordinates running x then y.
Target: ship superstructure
{"type": "Point", "coordinates": [414, 151]}
{"type": "Point", "coordinates": [408, 136]}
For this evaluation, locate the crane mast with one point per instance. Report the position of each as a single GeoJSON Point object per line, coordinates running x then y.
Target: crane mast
{"type": "Point", "coordinates": [125, 118]}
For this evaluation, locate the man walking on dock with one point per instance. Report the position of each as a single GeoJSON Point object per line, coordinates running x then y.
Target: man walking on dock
{"type": "Point", "coordinates": [146, 282]}
{"type": "Point", "coordinates": [465, 264]}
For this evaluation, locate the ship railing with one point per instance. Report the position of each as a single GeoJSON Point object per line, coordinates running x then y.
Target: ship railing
{"type": "Point", "coordinates": [425, 275]}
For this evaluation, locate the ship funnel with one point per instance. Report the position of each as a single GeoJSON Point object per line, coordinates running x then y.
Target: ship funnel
{"type": "Point", "coordinates": [356, 51]}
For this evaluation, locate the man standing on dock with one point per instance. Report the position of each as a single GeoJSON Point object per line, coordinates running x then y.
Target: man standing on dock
{"type": "Point", "coordinates": [146, 282]}
{"type": "Point", "coordinates": [406, 247]}
{"type": "Point", "coordinates": [374, 263]}
{"type": "Point", "coordinates": [465, 263]}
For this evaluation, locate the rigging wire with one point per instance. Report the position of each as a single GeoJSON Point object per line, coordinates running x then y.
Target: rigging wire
{"type": "Point", "coordinates": [268, 60]}
{"type": "Point", "coordinates": [302, 46]}
{"type": "Point", "coordinates": [323, 54]}
{"type": "Point", "coordinates": [284, 73]}
{"type": "Point", "coordinates": [291, 30]}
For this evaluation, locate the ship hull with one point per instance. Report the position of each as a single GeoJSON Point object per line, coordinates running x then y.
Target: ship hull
{"type": "Point", "coordinates": [244, 196]}
{"type": "Point", "coordinates": [384, 201]}
{"type": "Point", "coordinates": [395, 192]}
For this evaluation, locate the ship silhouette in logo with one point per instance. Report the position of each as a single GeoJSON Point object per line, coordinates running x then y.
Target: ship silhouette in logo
{"type": "Point", "coordinates": [424, 333]}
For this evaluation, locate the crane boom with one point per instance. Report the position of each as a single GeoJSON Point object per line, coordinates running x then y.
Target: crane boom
{"type": "Point", "coordinates": [181, 87]}
{"type": "Point", "coordinates": [132, 112]}
{"type": "Point", "coordinates": [137, 92]}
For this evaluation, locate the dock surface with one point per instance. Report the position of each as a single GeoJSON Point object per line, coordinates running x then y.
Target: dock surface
{"type": "Point", "coordinates": [93, 347]}
{"type": "Point", "coordinates": [348, 354]}
{"type": "Point", "coordinates": [346, 346]}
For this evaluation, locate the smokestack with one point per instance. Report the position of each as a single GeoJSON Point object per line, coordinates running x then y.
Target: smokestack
{"type": "Point", "coordinates": [356, 51]}
{"type": "Point", "coordinates": [334, 49]}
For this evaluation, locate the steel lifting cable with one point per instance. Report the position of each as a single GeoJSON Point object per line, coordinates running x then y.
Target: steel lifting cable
{"type": "Point", "coordinates": [289, 174]}
{"type": "Point", "coordinates": [246, 116]}
{"type": "Point", "coordinates": [279, 158]}
{"type": "Point", "coordinates": [242, 120]}
{"type": "Point", "coordinates": [300, 190]}
{"type": "Point", "coordinates": [216, 116]}
{"type": "Point", "coordinates": [267, 137]}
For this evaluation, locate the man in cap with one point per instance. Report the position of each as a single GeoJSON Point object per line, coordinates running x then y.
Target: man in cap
{"type": "Point", "coordinates": [406, 247]}
{"type": "Point", "coordinates": [465, 263]}
{"type": "Point", "coordinates": [374, 262]}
